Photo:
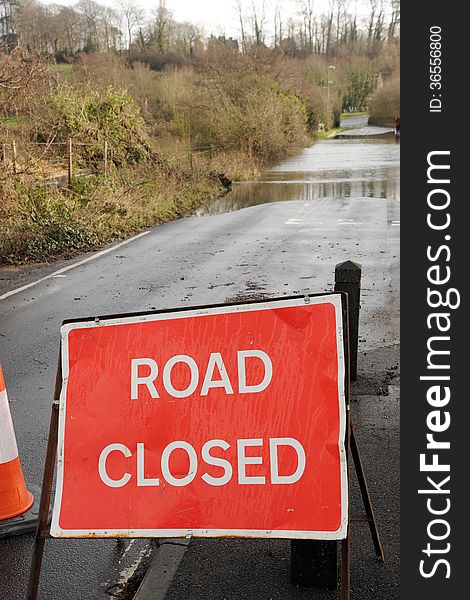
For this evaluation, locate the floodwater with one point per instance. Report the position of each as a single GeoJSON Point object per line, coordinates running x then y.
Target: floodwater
{"type": "Point", "coordinates": [360, 166]}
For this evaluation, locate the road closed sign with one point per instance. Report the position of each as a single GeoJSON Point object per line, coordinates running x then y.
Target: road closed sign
{"type": "Point", "coordinates": [217, 421]}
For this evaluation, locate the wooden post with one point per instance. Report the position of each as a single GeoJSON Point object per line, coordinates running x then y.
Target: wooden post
{"type": "Point", "coordinates": [105, 159]}
{"type": "Point", "coordinates": [70, 163]}
{"type": "Point", "coordinates": [348, 279]}
{"type": "Point", "coordinates": [13, 145]}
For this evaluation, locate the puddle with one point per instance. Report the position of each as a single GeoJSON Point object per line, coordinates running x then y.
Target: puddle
{"type": "Point", "coordinates": [336, 168]}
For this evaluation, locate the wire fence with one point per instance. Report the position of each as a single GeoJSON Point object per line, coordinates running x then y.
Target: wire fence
{"type": "Point", "coordinates": [59, 162]}
{"type": "Point", "coordinates": [48, 160]}
{"type": "Point", "coordinates": [193, 157]}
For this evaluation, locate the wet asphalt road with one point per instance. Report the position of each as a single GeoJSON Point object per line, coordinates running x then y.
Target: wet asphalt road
{"type": "Point", "coordinates": [283, 248]}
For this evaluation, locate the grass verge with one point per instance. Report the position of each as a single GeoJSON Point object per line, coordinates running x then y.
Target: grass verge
{"type": "Point", "coordinates": [330, 133]}
{"type": "Point", "coordinates": [40, 222]}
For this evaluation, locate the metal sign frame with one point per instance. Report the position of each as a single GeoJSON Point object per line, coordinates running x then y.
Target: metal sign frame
{"type": "Point", "coordinates": [43, 526]}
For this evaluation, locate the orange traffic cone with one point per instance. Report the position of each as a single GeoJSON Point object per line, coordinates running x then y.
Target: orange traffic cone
{"type": "Point", "coordinates": [15, 499]}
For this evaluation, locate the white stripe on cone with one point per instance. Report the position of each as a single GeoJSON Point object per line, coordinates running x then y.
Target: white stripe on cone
{"type": "Point", "coordinates": [8, 447]}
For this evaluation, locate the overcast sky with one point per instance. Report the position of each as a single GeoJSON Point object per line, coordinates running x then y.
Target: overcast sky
{"type": "Point", "coordinates": [216, 16]}
{"type": "Point", "coordinates": [219, 16]}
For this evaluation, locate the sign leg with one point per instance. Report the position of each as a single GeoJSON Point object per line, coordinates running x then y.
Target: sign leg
{"type": "Point", "coordinates": [346, 568]}
{"type": "Point", "coordinates": [365, 495]}
{"type": "Point", "coordinates": [39, 541]}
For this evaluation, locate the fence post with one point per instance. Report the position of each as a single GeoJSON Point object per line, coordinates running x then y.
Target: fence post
{"type": "Point", "coordinates": [348, 279]}
{"type": "Point", "coordinates": [70, 163]}
{"type": "Point", "coordinates": [13, 145]}
{"type": "Point", "coordinates": [105, 159]}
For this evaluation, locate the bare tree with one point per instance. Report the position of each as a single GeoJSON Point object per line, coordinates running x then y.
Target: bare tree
{"type": "Point", "coordinates": [186, 37]}
{"type": "Point", "coordinates": [133, 16]}
{"type": "Point", "coordinates": [353, 28]}
{"type": "Point", "coordinates": [307, 23]}
{"type": "Point", "coordinates": [394, 24]}
{"type": "Point", "coordinates": [112, 28]}
{"type": "Point", "coordinates": [328, 29]}
{"type": "Point", "coordinates": [91, 11]}
{"type": "Point", "coordinates": [28, 23]}
{"type": "Point", "coordinates": [18, 71]}
{"type": "Point", "coordinates": [8, 11]}
{"type": "Point", "coordinates": [258, 21]}
{"type": "Point", "coordinates": [239, 9]}
{"type": "Point", "coordinates": [73, 29]}
{"type": "Point", "coordinates": [376, 24]}
{"type": "Point", "coordinates": [256, 17]}
{"type": "Point", "coordinates": [277, 22]}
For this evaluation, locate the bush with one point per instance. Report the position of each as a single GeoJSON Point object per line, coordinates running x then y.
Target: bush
{"type": "Point", "coordinates": [22, 76]}
{"type": "Point", "coordinates": [90, 117]}
{"type": "Point", "coordinates": [156, 60]}
{"type": "Point", "coordinates": [385, 104]}
{"type": "Point", "coordinates": [39, 222]}
{"type": "Point", "coordinates": [233, 101]}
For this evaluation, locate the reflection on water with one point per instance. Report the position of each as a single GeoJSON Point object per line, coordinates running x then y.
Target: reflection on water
{"type": "Point", "coordinates": [339, 168]}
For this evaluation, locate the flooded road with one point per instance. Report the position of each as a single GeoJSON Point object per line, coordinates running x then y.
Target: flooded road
{"type": "Point", "coordinates": [331, 168]}
{"type": "Point", "coordinates": [335, 201]}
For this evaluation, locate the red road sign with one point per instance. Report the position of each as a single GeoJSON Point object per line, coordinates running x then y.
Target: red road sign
{"type": "Point", "coordinates": [217, 421]}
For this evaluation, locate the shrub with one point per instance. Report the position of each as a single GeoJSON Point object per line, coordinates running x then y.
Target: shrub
{"type": "Point", "coordinates": [90, 117]}
{"type": "Point", "coordinates": [39, 222]}
{"type": "Point", "coordinates": [236, 102]}
{"type": "Point", "coordinates": [385, 104]}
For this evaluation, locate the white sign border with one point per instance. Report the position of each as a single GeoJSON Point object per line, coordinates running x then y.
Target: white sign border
{"type": "Point", "coordinates": [340, 533]}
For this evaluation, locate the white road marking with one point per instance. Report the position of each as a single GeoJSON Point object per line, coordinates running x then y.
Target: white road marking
{"type": "Point", "coordinates": [58, 273]}
{"type": "Point", "coordinates": [129, 546]}
{"type": "Point", "coordinates": [129, 571]}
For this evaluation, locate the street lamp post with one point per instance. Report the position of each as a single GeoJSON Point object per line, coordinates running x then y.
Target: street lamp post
{"type": "Point", "coordinates": [328, 91]}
